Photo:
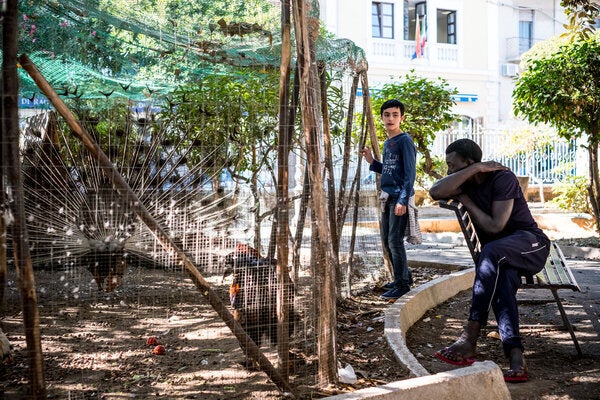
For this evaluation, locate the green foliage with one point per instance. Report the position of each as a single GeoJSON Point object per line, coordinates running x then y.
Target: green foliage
{"type": "Point", "coordinates": [428, 111]}
{"type": "Point", "coordinates": [336, 101]}
{"type": "Point", "coordinates": [582, 17]}
{"type": "Point", "coordinates": [424, 179]}
{"type": "Point", "coordinates": [428, 104]}
{"type": "Point", "coordinates": [560, 86]}
{"type": "Point", "coordinates": [229, 120]}
{"type": "Point", "coordinates": [571, 194]}
{"type": "Point", "coordinates": [160, 40]}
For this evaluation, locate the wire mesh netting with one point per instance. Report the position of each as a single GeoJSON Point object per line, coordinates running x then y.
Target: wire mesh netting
{"type": "Point", "coordinates": [106, 286]}
{"type": "Point", "coordinates": [195, 142]}
{"type": "Point", "coordinates": [135, 51]}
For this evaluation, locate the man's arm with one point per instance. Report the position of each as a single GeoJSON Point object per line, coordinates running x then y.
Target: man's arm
{"type": "Point", "coordinates": [449, 186]}
{"type": "Point", "coordinates": [493, 223]}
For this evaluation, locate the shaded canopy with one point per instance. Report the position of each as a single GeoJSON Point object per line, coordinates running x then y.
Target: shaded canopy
{"type": "Point", "coordinates": [96, 49]}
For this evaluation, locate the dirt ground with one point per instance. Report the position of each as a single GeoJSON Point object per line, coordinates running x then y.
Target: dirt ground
{"type": "Point", "coordinates": [95, 347]}
{"type": "Point", "coordinates": [555, 370]}
{"type": "Point", "coordinates": [94, 343]}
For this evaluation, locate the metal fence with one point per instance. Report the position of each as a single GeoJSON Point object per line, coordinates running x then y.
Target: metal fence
{"type": "Point", "coordinates": [543, 160]}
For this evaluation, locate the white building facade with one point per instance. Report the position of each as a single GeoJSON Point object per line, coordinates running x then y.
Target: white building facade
{"type": "Point", "coordinates": [474, 44]}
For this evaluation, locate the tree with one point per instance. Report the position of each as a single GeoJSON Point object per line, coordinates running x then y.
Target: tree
{"type": "Point", "coordinates": [582, 17]}
{"type": "Point", "coordinates": [560, 86]}
{"type": "Point", "coordinates": [231, 124]}
{"type": "Point", "coordinates": [428, 105]}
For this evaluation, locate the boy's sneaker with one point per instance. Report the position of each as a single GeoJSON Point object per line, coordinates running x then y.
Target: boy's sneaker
{"type": "Point", "coordinates": [395, 293]}
{"type": "Point", "coordinates": [390, 285]}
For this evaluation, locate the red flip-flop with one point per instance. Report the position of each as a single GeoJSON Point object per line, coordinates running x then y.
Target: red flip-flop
{"type": "Point", "coordinates": [516, 376]}
{"type": "Point", "coordinates": [458, 360]}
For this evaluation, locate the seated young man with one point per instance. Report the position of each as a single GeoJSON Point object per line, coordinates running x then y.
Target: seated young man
{"type": "Point", "coordinates": [512, 244]}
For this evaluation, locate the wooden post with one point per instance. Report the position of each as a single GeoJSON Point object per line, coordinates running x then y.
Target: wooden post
{"type": "Point", "coordinates": [325, 285]}
{"type": "Point", "coordinates": [129, 196]}
{"type": "Point", "coordinates": [282, 215]}
{"type": "Point", "coordinates": [16, 203]}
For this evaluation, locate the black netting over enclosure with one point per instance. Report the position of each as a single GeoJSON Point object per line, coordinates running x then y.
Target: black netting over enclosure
{"type": "Point", "coordinates": [131, 273]}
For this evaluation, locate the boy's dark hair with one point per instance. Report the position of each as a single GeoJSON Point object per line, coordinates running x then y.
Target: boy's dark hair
{"type": "Point", "coordinates": [466, 148]}
{"type": "Point", "coordinates": [393, 103]}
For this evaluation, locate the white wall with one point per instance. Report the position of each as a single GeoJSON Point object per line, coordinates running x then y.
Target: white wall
{"type": "Point", "coordinates": [486, 30]}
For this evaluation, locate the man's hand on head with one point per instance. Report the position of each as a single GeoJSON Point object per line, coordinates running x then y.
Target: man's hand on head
{"type": "Point", "coordinates": [490, 166]}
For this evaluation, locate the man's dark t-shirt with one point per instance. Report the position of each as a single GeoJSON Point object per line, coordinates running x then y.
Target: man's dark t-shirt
{"type": "Point", "coordinates": [499, 186]}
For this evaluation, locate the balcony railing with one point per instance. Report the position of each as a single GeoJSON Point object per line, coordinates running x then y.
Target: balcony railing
{"type": "Point", "coordinates": [402, 51]}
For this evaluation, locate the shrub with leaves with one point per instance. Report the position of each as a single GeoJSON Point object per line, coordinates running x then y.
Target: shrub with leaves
{"type": "Point", "coordinates": [571, 194]}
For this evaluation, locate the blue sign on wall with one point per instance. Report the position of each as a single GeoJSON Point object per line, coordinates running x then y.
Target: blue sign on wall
{"type": "Point", "coordinates": [38, 101]}
{"type": "Point", "coordinates": [465, 98]}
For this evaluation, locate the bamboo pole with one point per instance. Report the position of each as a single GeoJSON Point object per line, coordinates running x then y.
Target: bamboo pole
{"type": "Point", "coordinates": [129, 196]}
{"type": "Point", "coordinates": [306, 30]}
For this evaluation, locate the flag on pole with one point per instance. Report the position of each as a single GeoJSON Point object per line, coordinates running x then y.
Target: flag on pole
{"type": "Point", "coordinates": [417, 53]}
{"type": "Point", "coordinates": [420, 38]}
{"type": "Point", "coordinates": [423, 34]}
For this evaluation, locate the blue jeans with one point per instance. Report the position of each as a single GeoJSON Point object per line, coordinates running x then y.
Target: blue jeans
{"type": "Point", "coordinates": [392, 236]}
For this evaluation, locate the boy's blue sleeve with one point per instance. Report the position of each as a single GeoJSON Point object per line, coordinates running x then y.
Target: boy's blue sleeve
{"type": "Point", "coordinates": [409, 161]}
{"type": "Point", "coordinates": [376, 166]}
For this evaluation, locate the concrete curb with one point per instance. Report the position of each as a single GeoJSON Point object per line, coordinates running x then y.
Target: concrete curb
{"type": "Point", "coordinates": [410, 308]}
{"type": "Point", "coordinates": [468, 382]}
{"type": "Point", "coordinates": [481, 379]}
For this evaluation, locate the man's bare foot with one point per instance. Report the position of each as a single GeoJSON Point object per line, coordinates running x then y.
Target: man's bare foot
{"type": "Point", "coordinates": [518, 367]}
{"type": "Point", "coordinates": [461, 352]}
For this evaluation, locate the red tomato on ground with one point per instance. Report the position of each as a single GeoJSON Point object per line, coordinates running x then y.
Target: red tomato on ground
{"type": "Point", "coordinates": [151, 341]}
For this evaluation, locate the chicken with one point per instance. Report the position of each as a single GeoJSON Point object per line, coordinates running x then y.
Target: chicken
{"type": "Point", "coordinates": [6, 348]}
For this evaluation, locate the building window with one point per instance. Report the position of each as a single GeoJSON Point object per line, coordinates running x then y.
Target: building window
{"type": "Point", "coordinates": [413, 11]}
{"type": "Point", "coordinates": [382, 20]}
{"type": "Point", "coordinates": [525, 30]}
{"type": "Point", "coordinates": [446, 26]}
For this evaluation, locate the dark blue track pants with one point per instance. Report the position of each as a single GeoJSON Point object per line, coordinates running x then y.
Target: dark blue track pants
{"type": "Point", "coordinates": [497, 278]}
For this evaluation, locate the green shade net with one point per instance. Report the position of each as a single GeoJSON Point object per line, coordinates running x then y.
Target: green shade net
{"type": "Point", "coordinates": [90, 49]}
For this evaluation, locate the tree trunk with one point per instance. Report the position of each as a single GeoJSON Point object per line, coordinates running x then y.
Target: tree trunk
{"type": "Point", "coordinates": [594, 188]}
{"type": "Point", "coordinates": [10, 150]}
{"type": "Point", "coordinates": [325, 266]}
{"type": "Point", "coordinates": [329, 168]}
{"type": "Point", "coordinates": [303, 209]}
{"type": "Point", "coordinates": [343, 202]}
{"type": "Point", "coordinates": [282, 215]}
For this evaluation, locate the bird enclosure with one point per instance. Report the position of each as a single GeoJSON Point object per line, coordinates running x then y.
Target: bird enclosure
{"type": "Point", "coordinates": [118, 310]}
{"type": "Point", "coordinates": [180, 225]}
